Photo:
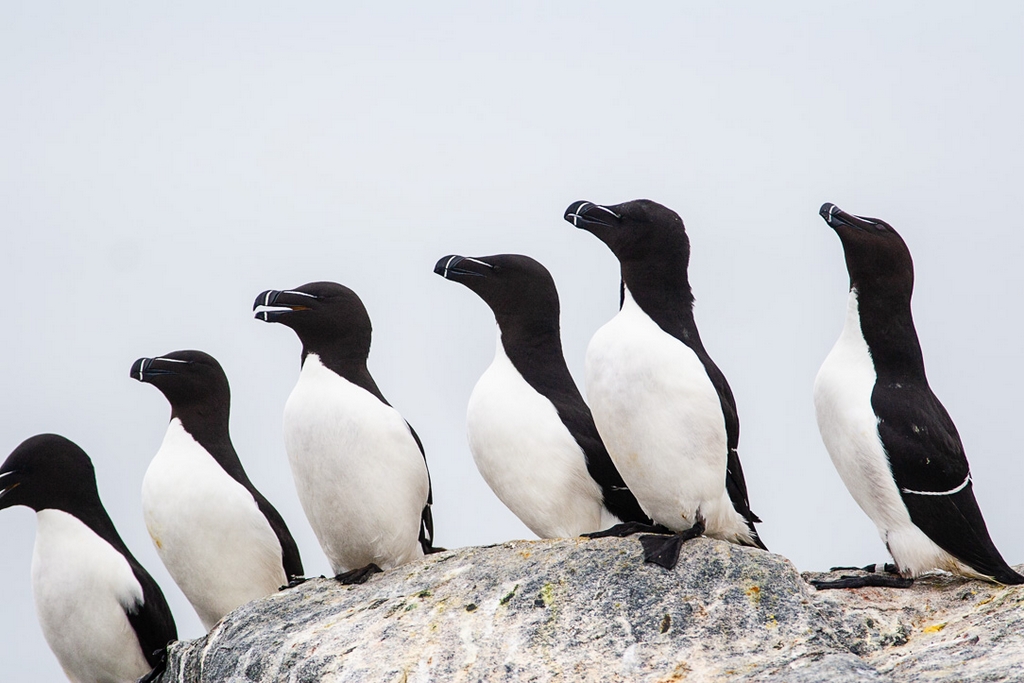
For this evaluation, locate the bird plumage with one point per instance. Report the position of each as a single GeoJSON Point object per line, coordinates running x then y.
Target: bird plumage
{"type": "Point", "coordinates": [891, 440]}
{"type": "Point", "coordinates": [531, 434]}
{"type": "Point", "coordinates": [101, 612]}
{"type": "Point", "coordinates": [220, 539]}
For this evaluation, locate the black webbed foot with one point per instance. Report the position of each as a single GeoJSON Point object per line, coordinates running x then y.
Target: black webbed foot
{"type": "Point", "coordinates": [888, 568]}
{"type": "Point", "coordinates": [358, 575]}
{"type": "Point", "coordinates": [160, 667]}
{"type": "Point", "coordinates": [628, 529]}
{"type": "Point", "coordinates": [664, 550]}
{"type": "Point", "coordinates": [294, 581]}
{"type": "Point", "coordinates": [868, 580]}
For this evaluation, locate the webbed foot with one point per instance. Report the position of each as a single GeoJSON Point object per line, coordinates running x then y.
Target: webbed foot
{"type": "Point", "coordinates": [664, 550]}
{"type": "Point", "coordinates": [359, 575]}
{"type": "Point", "coordinates": [628, 529]}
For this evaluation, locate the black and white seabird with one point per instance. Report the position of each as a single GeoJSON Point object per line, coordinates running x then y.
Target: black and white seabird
{"type": "Point", "coordinates": [661, 405]}
{"type": "Point", "coordinates": [223, 543]}
{"type": "Point", "coordinates": [359, 467]}
{"type": "Point", "coordinates": [102, 614]}
{"type": "Point", "coordinates": [893, 443]}
{"type": "Point", "coordinates": [531, 434]}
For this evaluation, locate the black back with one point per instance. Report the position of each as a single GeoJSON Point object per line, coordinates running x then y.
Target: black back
{"type": "Point", "coordinates": [50, 472]}
{"type": "Point", "coordinates": [197, 389]}
{"type": "Point", "coordinates": [522, 295]}
{"type": "Point", "coordinates": [331, 322]}
{"type": "Point", "coordinates": [653, 250]}
{"type": "Point", "coordinates": [924, 449]}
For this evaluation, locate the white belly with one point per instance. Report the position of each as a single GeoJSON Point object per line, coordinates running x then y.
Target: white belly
{"type": "Point", "coordinates": [849, 429]}
{"type": "Point", "coordinates": [208, 530]}
{"type": "Point", "coordinates": [528, 457]}
{"type": "Point", "coordinates": [82, 587]}
{"type": "Point", "coordinates": [358, 472]}
{"type": "Point", "coordinates": [661, 419]}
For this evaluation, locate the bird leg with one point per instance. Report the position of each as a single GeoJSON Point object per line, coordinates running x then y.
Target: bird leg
{"type": "Point", "coordinates": [359, 575]}
{"type": "Point", "coordinates": [664, 550]}
{"type": "Point", "coordinates": [628, 529]}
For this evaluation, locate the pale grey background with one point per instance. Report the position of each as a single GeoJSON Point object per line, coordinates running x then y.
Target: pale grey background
{"type": "Point", "coordinates": [160, 166]}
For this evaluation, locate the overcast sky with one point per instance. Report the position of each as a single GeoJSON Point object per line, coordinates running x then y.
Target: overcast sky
{"type": "Point", "coordinates": [160, 166]}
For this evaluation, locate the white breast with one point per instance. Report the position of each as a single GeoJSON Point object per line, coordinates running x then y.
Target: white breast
{"type": "Point", "coordinates": [528, 457]}
{"type": "Point", "coordinates": [358, 472]}
{"type": "Point", "coordinates": [849, 429]}
{"type": "Point", "coordinates": [82, 587]}
{"type": "Point", "coordinates": [208, 529]}
{"type": "Point", "coordinates": [661, 419]}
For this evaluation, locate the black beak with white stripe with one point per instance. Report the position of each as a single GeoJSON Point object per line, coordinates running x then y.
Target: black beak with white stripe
{"type": "Point", "coordinates": [892, 441]}
{"type": "Point", "coordinates": [588, 216]}
{"type": "Point", "coordinates": [512, 426]}
{"type": "Point", "coordinates": [99, 609]}
{"type": "Point", "coordinates": [274, 306]}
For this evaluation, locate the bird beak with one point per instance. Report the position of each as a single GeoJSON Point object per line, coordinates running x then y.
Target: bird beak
{"type": "Point", "coordinates": [587, 214]}
{"type": "Point", "coordinates": [275, 304]}
{"type": "Point", "coordinates": [7, 484]}
{"type": "Point", "coordinates": [145, 369]}
{"type": "Point", "coordinates": [836, 218]}
{"type": "Point", "coordinates": [455, 267]}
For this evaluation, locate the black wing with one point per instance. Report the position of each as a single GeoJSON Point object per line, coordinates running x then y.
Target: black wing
{"type": "Point", "coordinates": [360, 376]}
{"type": "Point", "coordinates": [928, 463]}
{"type": "Point", "coordinates": [618, 499]}
{"type": "Point", "coordinates": [735, 484]}
{"type": "Point", "coordinates": [152, 620]}
{"type": "Point", "coordinates": [224, 452]}
{"type": "Point", "coordinates": [289, 549]}
{"type": "Point", "coordinates": [426, 519]}
{"type": "Point", "coordinates": [544, 369]}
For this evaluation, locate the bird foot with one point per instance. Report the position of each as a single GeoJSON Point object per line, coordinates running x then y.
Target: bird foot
{"type": "Point", "coordinates": [294, 581]}
{"type": "Point", "coordinates": [664, 550]}
{"type": "Point", "coordinates": [869, 580]}
{"type": "Point", "coordinates": [160, 667]}
{"type": "Point", "coordinates": [628, 529]}
{"type": "Point", "coordinates": [359, 575]}
{"type": "Point", "coordinates": [888, 568]}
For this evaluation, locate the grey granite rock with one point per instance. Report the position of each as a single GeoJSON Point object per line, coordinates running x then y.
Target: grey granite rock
{"type": "Point", "coordinates": [578, 610]}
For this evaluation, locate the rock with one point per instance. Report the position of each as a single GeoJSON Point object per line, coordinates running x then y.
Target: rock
{"type": "Point", "coordinates": [943, 628]}
{"type": "Point", "coordinates": [579, 610]}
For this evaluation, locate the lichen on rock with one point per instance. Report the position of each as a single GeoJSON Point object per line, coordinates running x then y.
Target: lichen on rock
{"type": "Point", "coordinates": [590, 610]}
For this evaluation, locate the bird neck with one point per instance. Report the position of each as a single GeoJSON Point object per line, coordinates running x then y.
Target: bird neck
{"type": "Point", "coordinates": [887, 325]}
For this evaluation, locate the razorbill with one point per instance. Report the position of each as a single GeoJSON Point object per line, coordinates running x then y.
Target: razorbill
{"type": "Point", "coordinates": [661, 405]}
{"type": "Point", "coordinates": [531, 434]}
{"type": "Point", "coordinates": [893, 443]}
{"type": "Point", "coordinates": [223, 543]}
{"type": "Point", "coordinates": [359, 467]}
{"type": "Point", "coordinates": [102, 614]}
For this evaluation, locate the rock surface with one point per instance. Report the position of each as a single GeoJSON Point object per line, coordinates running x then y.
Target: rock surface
{"type": "Point", "coordinates": [578, 610]}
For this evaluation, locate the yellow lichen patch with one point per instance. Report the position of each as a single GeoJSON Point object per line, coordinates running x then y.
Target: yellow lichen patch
{"type": "Point", "coordinates": [754, 593]}
{"type": "Point", "coordinates": [525, 554]}
{"type": "Point", "coordinates": [772, 622]}
{"type": "Point", "coordinates": [934, 628]}
{"type": "Point", "coordinates": [678, 674]}
{"type": "Point", "coordinates": [547, 594]}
